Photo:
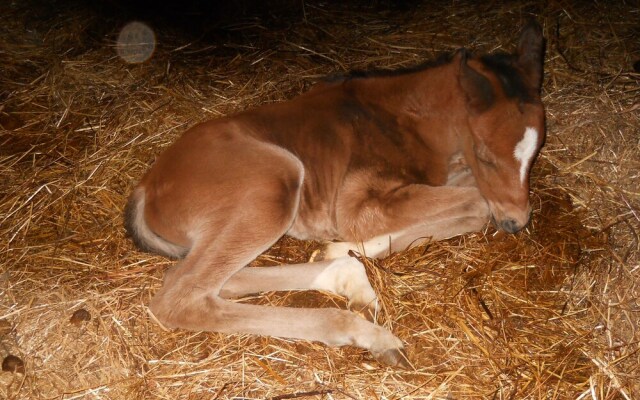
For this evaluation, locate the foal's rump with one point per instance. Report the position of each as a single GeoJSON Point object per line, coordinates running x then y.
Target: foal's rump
{"type": "Point", "coordinates": [204, 182]}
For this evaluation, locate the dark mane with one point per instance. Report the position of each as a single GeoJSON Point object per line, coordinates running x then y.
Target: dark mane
{"type": "Point", "coordinates": [381, 72]}
{"type": "Point", "coordinates": [502, 65]}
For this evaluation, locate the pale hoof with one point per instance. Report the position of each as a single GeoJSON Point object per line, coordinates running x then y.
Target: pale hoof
{"type": "Point", "coordinates": [347, 277]}
{"type": "Point", "coordinates": [394, 358]}
{"type": "Point", "coordinates": [388, 349]}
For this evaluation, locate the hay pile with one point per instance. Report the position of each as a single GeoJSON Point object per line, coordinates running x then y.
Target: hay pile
{"type": "Point", "coordinates": [549, 313]}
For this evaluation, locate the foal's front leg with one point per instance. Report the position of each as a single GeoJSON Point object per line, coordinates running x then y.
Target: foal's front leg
{"type": "Point", "coordinates": [377, 216]}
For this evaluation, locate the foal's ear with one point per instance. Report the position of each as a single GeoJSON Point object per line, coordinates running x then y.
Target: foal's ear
{"type": "Point", "coordinates": [530, 53]}
{"type": "Point", "coordinates": [476, 87]}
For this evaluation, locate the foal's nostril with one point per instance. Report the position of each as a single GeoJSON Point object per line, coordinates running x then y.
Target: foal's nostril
{"type": "Point", "coordinates": [510, 225]}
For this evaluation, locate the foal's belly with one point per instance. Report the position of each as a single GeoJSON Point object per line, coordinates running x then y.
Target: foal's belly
{"type": "Point", "coordinates": [313, 224]}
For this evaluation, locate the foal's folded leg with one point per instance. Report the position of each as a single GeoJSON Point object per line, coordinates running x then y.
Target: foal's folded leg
{"type": "Point", "coordinates": [405, 216]}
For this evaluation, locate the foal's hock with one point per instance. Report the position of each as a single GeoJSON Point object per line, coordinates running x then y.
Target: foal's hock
{"type": "Point", "coordinates": [373, 161]}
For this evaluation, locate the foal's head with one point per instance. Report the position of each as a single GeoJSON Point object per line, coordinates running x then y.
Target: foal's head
{"type": "Point", "coordinates": [506, 125]}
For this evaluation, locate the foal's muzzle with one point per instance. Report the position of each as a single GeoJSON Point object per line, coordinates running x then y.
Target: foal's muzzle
{"type": "Point", "coordinates": [510, 225]}
{"type": "Point", "coordinates": [510, 218]}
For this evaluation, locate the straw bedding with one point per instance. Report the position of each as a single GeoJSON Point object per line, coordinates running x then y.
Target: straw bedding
{"type": "Point", "coordinates": [548, 313]}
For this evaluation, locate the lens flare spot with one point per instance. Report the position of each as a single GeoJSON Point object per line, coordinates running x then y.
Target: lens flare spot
{"type": "Point", "coordinates": [136, 42]}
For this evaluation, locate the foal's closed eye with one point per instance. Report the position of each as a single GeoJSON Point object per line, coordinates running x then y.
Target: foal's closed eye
{"type": "Point", "coordinates": [485, 156]}
{"type": "Point", "coordinates": [487, 162]}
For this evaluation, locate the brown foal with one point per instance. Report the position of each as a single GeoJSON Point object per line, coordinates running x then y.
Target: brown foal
{"type": "Point", "coordinates": [374, 162]}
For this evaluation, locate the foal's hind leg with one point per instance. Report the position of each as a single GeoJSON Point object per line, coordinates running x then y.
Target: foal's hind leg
{"type": "Point", "coordinates": [345, 276]}
{"type": "Point", "coordinates": [259, 207]}
{"type": "Point", "coordinates": [378, 216]}
{"type": "Point", "coordinates": [192, 300]}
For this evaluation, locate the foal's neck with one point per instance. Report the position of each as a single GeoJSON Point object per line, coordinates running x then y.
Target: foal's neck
{"type": "Point", "coordinates": [429, 102]}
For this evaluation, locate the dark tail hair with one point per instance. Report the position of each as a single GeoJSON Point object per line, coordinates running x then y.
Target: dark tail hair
{"type": "Point", "coordinates": [141, 234]}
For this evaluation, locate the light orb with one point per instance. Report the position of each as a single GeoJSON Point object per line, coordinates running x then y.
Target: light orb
{"type": "Point", "coordinates": [136, 42]}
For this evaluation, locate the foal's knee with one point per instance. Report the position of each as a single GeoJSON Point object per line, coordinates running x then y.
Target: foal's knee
{"type": "Point", "coordinates": [475, 205]}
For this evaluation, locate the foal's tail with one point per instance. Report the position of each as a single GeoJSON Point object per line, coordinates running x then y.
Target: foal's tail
{"type": "Point", "coordinates": [141, 234]}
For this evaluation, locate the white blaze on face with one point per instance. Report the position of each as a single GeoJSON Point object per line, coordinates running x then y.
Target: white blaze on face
{"type": "Point", "coordinates": [525, 149]}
